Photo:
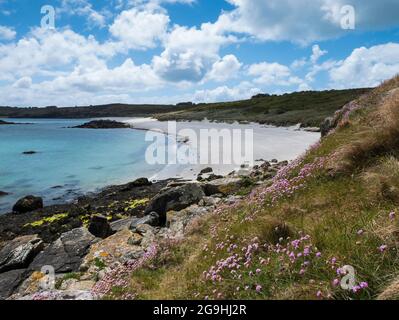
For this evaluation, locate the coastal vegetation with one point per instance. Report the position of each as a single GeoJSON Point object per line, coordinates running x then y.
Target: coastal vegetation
{"type": "Point", "coordinates": [293, 238]}
{"type": "Point", "coordinates": [309, 108]}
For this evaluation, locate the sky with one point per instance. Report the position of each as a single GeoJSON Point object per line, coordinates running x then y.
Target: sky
{"type": "Point", "coordinates": [169, 51]}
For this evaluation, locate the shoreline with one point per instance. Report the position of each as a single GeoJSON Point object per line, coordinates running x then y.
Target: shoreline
{"type": "Point", "coordinates": [264, 148]}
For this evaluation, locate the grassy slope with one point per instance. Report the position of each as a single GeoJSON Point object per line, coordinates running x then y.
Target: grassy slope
{"type": "Point", "coordinates": [309, 108]}
{"type": "Point", "coordinates": [340, 210]}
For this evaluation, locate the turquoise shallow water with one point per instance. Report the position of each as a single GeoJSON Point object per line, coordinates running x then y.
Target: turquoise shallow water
{"type": "Point", "coordinates": [69, 162]}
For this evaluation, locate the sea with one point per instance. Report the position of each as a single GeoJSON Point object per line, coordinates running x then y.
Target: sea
{"type": "Point", "coordinates": [68, 162]}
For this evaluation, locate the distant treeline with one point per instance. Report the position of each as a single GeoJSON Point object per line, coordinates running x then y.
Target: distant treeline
{"type": "Point", "coordinates": [308, 108]}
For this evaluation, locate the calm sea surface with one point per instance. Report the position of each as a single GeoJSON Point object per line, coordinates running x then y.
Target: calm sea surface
{"type": "Point", "coordinates": [68, 162]}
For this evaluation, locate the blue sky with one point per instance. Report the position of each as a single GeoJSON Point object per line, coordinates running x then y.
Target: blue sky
{"type": "Point", "coordinates": [168, 51]}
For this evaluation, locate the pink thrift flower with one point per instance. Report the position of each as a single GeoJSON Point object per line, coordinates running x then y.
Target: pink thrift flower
{"type": "Point", "coordinates": [318, 254]}
{"type": "Point", "coordinates": [258, 288]}
{"type": "Point", "coordinates": [336, 282]}
{"type": "Point", "coordinates": [356, 289]}
{"type": "Point", "coordinates": [360, 232]}
{"type": "Point", "coordinates": [319, 294]}
{"type": "Point", "coordinates": [392, 215]}
{"type": "Point", "coordinates": [364, 285]}
{"type": "Point", "coordinates": [383, 248]}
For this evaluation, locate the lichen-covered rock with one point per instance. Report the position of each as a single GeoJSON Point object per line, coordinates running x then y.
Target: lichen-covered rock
{"type": "Point", "coordinates": [66, 253]}
{"type": "Point", "coordinates": [177, 221]}
{"type": "Point", "coordinates": [19, 253]}
{"type": "Point", "coordinates": [223, 186]}
{"type": "Point", "coordinates": [108, 251]}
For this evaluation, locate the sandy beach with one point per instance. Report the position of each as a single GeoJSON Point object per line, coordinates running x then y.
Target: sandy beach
{"type": "Point", "coordinates": [281, 143]}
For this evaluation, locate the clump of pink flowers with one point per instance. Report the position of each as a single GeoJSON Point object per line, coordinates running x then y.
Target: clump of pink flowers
{"type": "Point", "coordinates": [119, 275]}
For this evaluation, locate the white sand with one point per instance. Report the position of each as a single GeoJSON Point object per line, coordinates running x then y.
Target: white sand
{"type": "Point", "coordinates": [268, 143]}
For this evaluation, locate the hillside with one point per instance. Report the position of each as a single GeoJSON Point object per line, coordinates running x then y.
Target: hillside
{"type": "Point", "coordinates": [308, 108]}
{"type": "Point", "coordinates": [290, 238]}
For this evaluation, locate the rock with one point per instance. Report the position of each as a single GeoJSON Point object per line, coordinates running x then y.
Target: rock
{"type": "Point", "coordinates": [100, 227]}
{"type": "Point", "coordinates": [210, 201]}
{"type": "Point", "coordinates": [2, 122]}
{"type": "Point", "coordinates": [177, 221]}
{"type": "Point", "coordinates": [175, 199]}
{"type": "Point", "coordinates": [59, 295]}
{"type": "Point", "coordinates": [9, 282]}
{"type": "Point", "coordinates": [19, 253]}
{"type": "Point", "coordinates": [312, 129]}
{"type": "Point", "coordinates": [66, 253]}
{"type": "Point", "coordinates": [152, 220]}
{"type": "Point", "coordinates": [326, 126]}
{"type": "Point", "coordinates": [122, 224]}
{"type": "Point", "coordinates": [206, 170]}
{"type": "Point", "coordinates": [103, 124]}
{"type": "Point", "coordinates": [141, 182]}
{"type": "Point", "coordinates": [223, 186]}
{"type": "Point", "coordinates": [274, 161]}
{"type": "Point", "coordinates": [29, 152]}
{"type": "Point", "coordinates": [135, 239]}
{"type": "Point", "coordinates": [108, 251]}
{"type": "Point", "coordinates": [144, 229]}
{"type": "Point", "coordinates": [76, 285]}
{"type": "Point", "coordinates": [2, 193]}
{"type": "Point", "coordinates": [265, 165]}
{"type": "Point", "coordinates": [28, 204]}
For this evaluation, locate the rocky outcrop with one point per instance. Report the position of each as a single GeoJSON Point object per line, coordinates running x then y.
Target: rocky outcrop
{"type": "Point", "coordinates": [122, 224]}
{"type": "Point", "coordinates": [29, 153]}
{"type": "Point", "coordinates": [2, 122]}
{"type": "Point", "coordinates": [331, 123]}
{"type": "Point", "coordinates": [100, 227]}
{"type": "Point", "coordinates": [141, 182]}
{"type": "Point", "coordinates": [175, 199]}
{"type": "Point", "coordinates": [108, 251]}
{"type": "Point", "coordinates": [223, 186]}
{"type": "Point", "coordinates": [206, 170]}
{"type": "Point", "coordinates": [103, 124]}
{"type": "Point", "coordinates": [66, 253]}
{"type": "Point", "coordinates": [19, 253]}
{"type": "Point", "coordinates": [3, 193]}
{"type": "Point", "coordinates": [152, 219]}
{"type": "Point", "coordinates": [28, 204]}
{"type": "Point", "coordinates": [9, 282]}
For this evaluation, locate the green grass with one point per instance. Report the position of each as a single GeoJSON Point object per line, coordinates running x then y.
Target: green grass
{"type": "Point", "coordinates": [308, 108]}
{"type": "Point", "coordinates": [334, 203]}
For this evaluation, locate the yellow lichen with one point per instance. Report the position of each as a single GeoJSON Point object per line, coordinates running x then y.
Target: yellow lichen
{"type": "Point", "coordinates": [133, 204]}
{"type": "Point", "coordinates": [47, 220]}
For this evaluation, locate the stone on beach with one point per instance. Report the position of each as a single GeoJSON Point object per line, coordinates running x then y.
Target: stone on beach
{"type": "Point", "coordinates": [28, 204]}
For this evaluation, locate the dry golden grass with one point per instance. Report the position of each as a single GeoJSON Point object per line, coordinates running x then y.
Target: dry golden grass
{"type": "Point", "coordinates": [391, 292]}
{"type": "Point", "coordinates": [378, 136]}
